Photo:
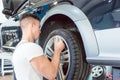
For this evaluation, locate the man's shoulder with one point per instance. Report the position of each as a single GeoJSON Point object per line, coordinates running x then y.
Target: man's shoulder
{"type": "Point", "coordinates": [31, 44]}
{"type": "Point", "coordinates": [26, 43]}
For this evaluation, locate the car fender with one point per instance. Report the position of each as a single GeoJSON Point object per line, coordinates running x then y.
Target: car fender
{"type": "Point", "coordinates": [82, 23]}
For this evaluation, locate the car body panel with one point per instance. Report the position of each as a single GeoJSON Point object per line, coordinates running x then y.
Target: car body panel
{"type": "Point", "coordinates": [109, 47]}
{"type": "Point", "coordinates": [65, 9]}
{"type": "Point", "coordinates": [108, 41]}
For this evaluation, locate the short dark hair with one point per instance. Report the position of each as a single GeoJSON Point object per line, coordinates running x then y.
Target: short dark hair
{"type": "Point", "coordinates": [27, 15]}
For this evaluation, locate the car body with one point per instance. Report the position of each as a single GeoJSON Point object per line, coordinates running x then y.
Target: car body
{"type": "Point", "coordinates": [95, 23]}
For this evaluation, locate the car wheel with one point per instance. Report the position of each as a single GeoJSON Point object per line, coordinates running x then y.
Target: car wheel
{"type": "Point", "coordinates": [72, 65]}
{"type": "Point", "coordinates": [98, 73]}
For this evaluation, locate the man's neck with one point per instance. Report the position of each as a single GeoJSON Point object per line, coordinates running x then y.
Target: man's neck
{"type": "Point", "coordinates": [29, 39]}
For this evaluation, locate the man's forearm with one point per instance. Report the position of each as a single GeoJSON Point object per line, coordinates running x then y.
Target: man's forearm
{"type": "Point", "coordinates": [56, 61]}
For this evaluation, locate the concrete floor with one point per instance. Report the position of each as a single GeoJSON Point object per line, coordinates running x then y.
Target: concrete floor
{"type": "Point", "coordinates": [7, 77]}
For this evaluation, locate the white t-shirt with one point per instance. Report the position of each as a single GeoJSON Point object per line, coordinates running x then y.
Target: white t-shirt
{"type": "Point", "coordinates": [24, 52]}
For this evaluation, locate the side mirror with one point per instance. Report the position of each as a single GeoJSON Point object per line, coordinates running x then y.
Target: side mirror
{"type": "Point", "coordinates": [7, 12]}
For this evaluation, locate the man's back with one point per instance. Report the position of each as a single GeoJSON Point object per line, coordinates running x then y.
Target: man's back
{"type": "Point", "coordinates": [24, 52]}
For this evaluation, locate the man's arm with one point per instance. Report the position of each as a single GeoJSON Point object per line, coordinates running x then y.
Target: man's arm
{"type": "Point", "coordinates": [47, 68]}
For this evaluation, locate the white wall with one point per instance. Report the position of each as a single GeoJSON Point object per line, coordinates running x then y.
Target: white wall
{"type": "Point", "coordinates": [2, 16]}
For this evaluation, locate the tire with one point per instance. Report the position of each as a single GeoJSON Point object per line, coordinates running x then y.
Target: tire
{"type": "Point", "coordinates": [49, 27]}
{"type": "Point", "coordinates": [72, 66]}
{"type": "Point", "coordinates": [86, 71]}
{"type": "Point", "coordinates": [98, 73]}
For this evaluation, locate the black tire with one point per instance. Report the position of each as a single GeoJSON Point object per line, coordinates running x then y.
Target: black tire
{"type": "Point", "coordinates": [86, 71]}
{"type": "Point", "coordinates": [74, 69]}
{"type": "Point", "coordinates": [49, 27]}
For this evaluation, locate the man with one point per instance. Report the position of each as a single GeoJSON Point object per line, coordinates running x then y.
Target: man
{"type": "Point", "coordinates": [28, 59]}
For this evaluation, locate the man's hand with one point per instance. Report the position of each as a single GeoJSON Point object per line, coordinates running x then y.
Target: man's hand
{"type": "Point", "coordinates": [58, 44]}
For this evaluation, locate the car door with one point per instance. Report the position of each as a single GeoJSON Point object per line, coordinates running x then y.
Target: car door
{"type": "Point", "coordinates": [107, 30]}
{"type": "Point", "coordinates": [105, 19]}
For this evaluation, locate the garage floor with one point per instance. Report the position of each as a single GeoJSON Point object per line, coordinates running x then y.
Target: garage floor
{"type": "Point", "coordinates": [6, 77]}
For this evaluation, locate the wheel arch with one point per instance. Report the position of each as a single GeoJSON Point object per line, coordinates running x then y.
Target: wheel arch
{"type": "Point", "coordinates": [70, 14]}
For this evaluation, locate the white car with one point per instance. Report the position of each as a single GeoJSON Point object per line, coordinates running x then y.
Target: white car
{"type": "Point", "coordinates": [89, 28]}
